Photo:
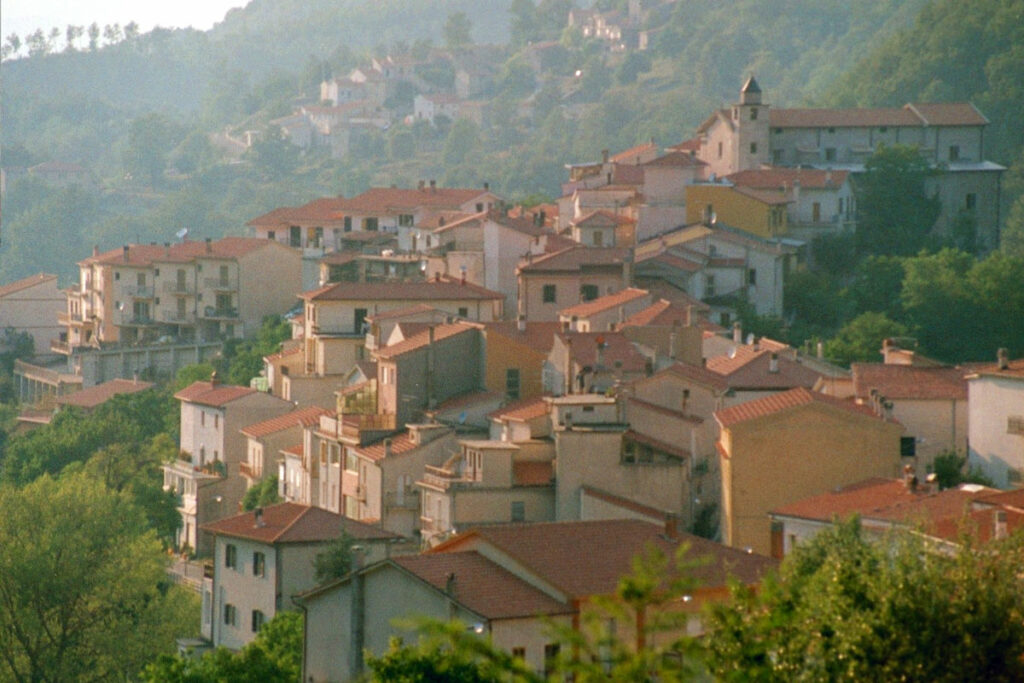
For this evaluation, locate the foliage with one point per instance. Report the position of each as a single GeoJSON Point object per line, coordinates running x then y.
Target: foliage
{"type": "Point", "coordinates": [462, 141]}
{"type": "Point", "coordinates": [894, 215]}
{"type": "Point", "coordinates": [457, 28]}
{"type": "Point", "coordinates": [83, 584]}
{"type": "Point", "coordinates": [446, 655]}
{"type": "Point", "coordinates": [335, 560]}
{"type": "Point", "coordinates": [949, 471]}
{"type": "Point", "coordinates": [262, 494]}
{"type": "Point", "coordinates": [848, 608]}
{"type": "Point", "coordinates": [245, 358]}
{"type": "Point", "coordinates": [860, 340]}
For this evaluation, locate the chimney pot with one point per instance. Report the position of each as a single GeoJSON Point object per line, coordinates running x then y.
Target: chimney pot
{"type": "Point", "coordinates": [737, 333]}
{"type": "Point", "coordinates": [487, 187]}
{"type": "Point", "coordinates": [773, 363]}
{"type": "Point", "coordinates": [209, 245]}
{"type": "Point", "coordinates": [95, 250]}
{"type": "Point", "coordinates": [257, 515]}
{"type": "Point", "coordinates": [124, 251]}
{"type": "Point", "coordinates": [1003, 359]}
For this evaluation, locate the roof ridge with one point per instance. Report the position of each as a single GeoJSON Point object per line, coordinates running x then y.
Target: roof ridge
{"type": "Point", "coordinates": [305, 511]}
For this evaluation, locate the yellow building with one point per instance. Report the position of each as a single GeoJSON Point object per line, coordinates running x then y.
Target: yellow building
{"type": "Point", "coordinates": [785, 447]}
{"type": "Point", "coordinates": [760, 212]}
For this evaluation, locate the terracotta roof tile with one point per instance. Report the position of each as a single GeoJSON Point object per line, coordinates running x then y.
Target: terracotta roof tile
{"type": "Point", "coordinates": [777, 403]}
{"type": "Point", "coordinates": [604, 303]}
{"type": "Point", "coordinates": [948, 113]}
{"type": "Point", "coordinates": [539, 336]}
{"type": "Point", "coordinates": [908, 381]}
{"type": "Point", "coordinates": [777, 177]}
{"type": "Point", "coordinates": [627, 174]}
{"type": "Point", "coordinates": [482, 586]}
{"type": "Point", "coordinates": [385, 199]}
{"type": "Point", "coordinates": [25, 283]}
{"type": "Point", "coordinates": [297, 450]}
{"type": "Point", "coordinates": [618, 349]}
{"type": "Point", "coordinates": [181, 252]}
{"type": "Point", "coordinates": [657, 444]}
{"type": "Point", "coordinates": [319, 210]}
{"type": "Point", "coordinates": [664, 312]}
{"type": "Point", "coordinates": [302, 417]}
{"type": "Point", "coordinates": [842, 118]}
{"type": "Point", "coordinates": [428, 290]}
{"type": "Point", "coordinates": [587, 558]}
{"type": "Point", "coordinates": [210, 394]}
{"type": "Point", "coordinates": [400, 443]}
{"type": "Point", "coordinates": [698, 374]}
{"type": "Point", "coordinates": [294, 523]}
{"type": "Point", "coordinates": [101, 393]}
{"type": "Point", "coordinates": [525, 409]}
{"type": "Point", "coordinates": [1013, 370]}
{"type": "Point", "coordinates": [682, 159]}
{"type": "Point", "coordinates": [633, 153]}
{"type": "Point", "coordinates": [533, 473]}
{"type": "Point", "coordinates": [422, 339]}
{"type": "Point", "coordinates": [750, 369]}
{"type": "Point", "coordinates": [576, 258]}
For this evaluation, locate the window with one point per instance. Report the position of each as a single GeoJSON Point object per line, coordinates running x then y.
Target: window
{"type": "Point", "coordinates": [776, 156]}
{"type": "Point", "coordinates": [840, 205]}
{"type": "Point", "coordinates": [549, 294]}
{"type": "Point", "coordinates": [751, 277]}
{"type": "Point", "coordinates": [551, 651]}
{"type": "Point", "coordinates": [753, 113]}
{"type": "Point", "coordinates": [347, 225]}
{"type": "Point", "coordinates": [830, 154]}
{"type": "Point", "coordinates": [257, 620]}
{"type": "Point", "coordinates": [518, 511]}
{"type": "Point", "coordinates": [1015, 425]}
{"type": "Point", "coordinates": [589, 292]}
{"type": "Point", "coordinates": [140, 279]}
{"type": "Point", "coordinates": [519, 652]}
{"type": "Point", "coordinates": [271, 235]}
{"type": "Point", "coordinates": [709, 285]}
{"type": "Point", "coordinates": [216, 421]}
{"type": "Point", "coordinates": [231, 556]}
{"type": "Point", "coordinates": [719, 150]}
{"type": "Point", "coordinates": [370, 224]}
{"type": "Point", "coordinates": [323, 453]}
{"type": "Point", "coordinates": [598, 239]}
{"type": "Point", "coordinates": [753, 148]}
{"type": "Point", "coordinates": [883, 129]}
{"type": "Point", "coordinates": [202, 419]}
{"type": "Point", "coordinates": [359, 320]}
{"type": "Point", "coordinates": [351, 462]}
{"type": "Point", "coordinates": [831, 130]}
{"type": "Point", "coordinates": [463, 312]}
{"type": "Point", "coordinates": [405, 220]}
{"type": "Point", "coordinates": [479, 207]}
{"type": "Point", "coordinates": [230, 614]}
{"type": "Point", "coordinates": [971, 201]}
{"type": "Point", "coordinates": [816, 212]}
{"type": "Point", "coordinates": [117, 276]}
{"type": "Point", "coordinates": [295, 236]}
{"type": "Point", "coordinates": [908, 447]}
{"type": "Point", "coordinates": [512, 383]}
{"type": "Point", "coordinates": [259, 564]}
{"type": "Point", "coordinates": [954, 152]}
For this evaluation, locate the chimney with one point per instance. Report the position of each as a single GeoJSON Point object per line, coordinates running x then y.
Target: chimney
{"type": "Point", "coordinates": [672, 525]}
{"type": "Point", "coordinates": [604, 156]}
{"type": "Point", "coordinates": [487, 187]}
{"type": "Point", "coordinates": [95, 250]}
{"type": "Point", "coordinates": [1003, 359]}
{"type": "Point", "coordinates": [999, 525]}
{"type": "Point", "coordinates": [167, 248]}
{"type": "Point", "coordinates": [257, 516]}
{"type": "Point", "coordinates": [421, 184]}
{"type": "Point", "coordinates": [387, 448]}
{"type": "Point", "coordinates": [433, 185]}
{"type": "Point", "coordinates": [214, 378]}
{"type": "Point", "coordinates": [521, 323]}
{"type": "Point", "coordinates": [773, 363]}
{"type": "Point", "coordinates": [124, 250]}
{"type": "Point", "coordinates": [737, 333]}
{"type": "Point", "coordinates": [209, 245]}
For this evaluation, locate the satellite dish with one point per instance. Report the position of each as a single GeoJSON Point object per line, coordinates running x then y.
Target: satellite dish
{"type": "Point", "coordinates": [750, 339]}
{"type": "Point", "coordinates": [181, 234]}
{"type": "Point", "coordinates": [714, 218]}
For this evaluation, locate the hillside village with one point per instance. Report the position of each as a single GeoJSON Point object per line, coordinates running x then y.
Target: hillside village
{"type": "Point", "coordinates": [497, 399]}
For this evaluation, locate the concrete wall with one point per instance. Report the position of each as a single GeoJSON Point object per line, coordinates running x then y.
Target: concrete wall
{"type": "Point", "coordinates": [34, 310]}
{"type": "Point", "coordinates": [567, 291]}
{"type": "Point", "coordinates": [999, 453]}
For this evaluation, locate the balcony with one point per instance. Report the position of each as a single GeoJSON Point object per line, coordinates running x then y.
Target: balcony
{"type": "Point", "coordinates": [215, 313]}
{"type": "Point", "coordinates": [178, 318]}
{"type": "Point", "coordinates": [247, 470]}
{"type": "Point", "coordinates": [137, 320]}
{"type": "Point", "coordinates": [409, 499]}
{"type": "Point", "coordinates": [62, 347]}
{"type": "Point", "coordinates": [140, 292]}
{"type": "Point", "coordinates": [429, 526]}
{"type": "Point", "coordinates": [439, 478]}
{"type": "Point", "coordinates": [179, 288]}
{"type": "Point", "coordinates": [219, 284]}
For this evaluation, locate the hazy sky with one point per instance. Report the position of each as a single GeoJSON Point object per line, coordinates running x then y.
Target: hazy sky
{"type": "Point", "coordinates": [24, 16]}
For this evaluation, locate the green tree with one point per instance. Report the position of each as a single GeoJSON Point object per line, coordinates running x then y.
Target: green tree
{"type": "Point", "coordinates": [457, 29]}
{"type": "Point", "coordinates": [517, 78]}
{"type": "Point", "coordinates": [860, 340]}
{"type": "Point", "coordinates": [525, 24]}
{"type": "Point", "coordinates": [401, 145]}
{"type": "Point", "coordinates": [83, 584]}
{"type": "Point", "coordinates": [894, 213]}
{"type": "Point", "coordinates": [949, 471]}
{"type": "Point", "coordinates": [151, 138]}
{"type": "Point", "coordinates": [196, 372]}
{"type": "Point", "coordinates": [462, 142]}
{"type": "Point", "coordinates": [848, 608]}
{"type": "Point", "coordinates": [634, 64]}
{"type": "Point", "coordinates": [335, 560]}
{"type": "Point", "coordinates": [1011, 240]}
{"type": "Point", "coordinates": [262, 494]}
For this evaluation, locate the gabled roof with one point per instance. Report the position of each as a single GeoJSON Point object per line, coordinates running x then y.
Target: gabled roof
{"type": "Point", "coordinates": [422, 339]}
{"type": "Point", "coordinates": [325, 209]}
{"type": "Point", "coordinates": [751, 369]}
{"type": "Point", "coordinates": [602, 218]}
{"type": "Point", "coordinates": [604, 303]}
{"type": "Point", "coordinates": [25, 283]}
{"type": "Point", "coordinates": [680, 159]}
{"type": "Point", "coordinates": [664, 312]}
{"type": "Point", "coordinates": [302, 417]}
{"type": "Point", "coordinates": [694, 373]}
{"type": "Point", "coordinates": [400, 443]}
{"type": "Point", "coordinates": [181, 252]}
{"type": "Point", "coordinates": [522, 410]}
{"type": "Point", "coordinates": [213, 394]}
{"type": "Point", "coordinates": [777, 177]}
{"type": "Point", "coordinates": [1013, 370]}
{"type": "Point", "coordinates": [777, 403]}
{"type": "Point", "coordinates": [916, 114]}
{"type": "Point", "coordinates": [294, 523]}
{"type": "Point", "coordinates": [482, 586]}
{"type": "Point", "coordinates": [634, 153]}
{"type": "Point", "coordinates": [101, 393]}
{"type": "Point", "coordinates": [576, 258]}
{"type": "Point", "coordinates": [385, 199]}
{"type": "Point", "coordinates": [588, 558]}
{"type": "Point", "coordinates": [428, 290]}
{"type": "Point", "coordinates": [618, 352]}
{"type": "Point", "coordinates": [908, 381]}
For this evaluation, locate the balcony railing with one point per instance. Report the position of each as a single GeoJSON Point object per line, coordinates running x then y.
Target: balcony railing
{"type": "Point", "coordinates": [220, 313]}
{"type": "Point", "coordinates": [440, 478]}
{"type": "Point", "coordinates": [140, 292]}
{"type": "Point", "coordinates": [133, 320]}
{"type": "Point", "coordinates": [182, 288]}
{"type": "Point", "coordinates": [58, 346]}
{"type": "Point", "coordinates": [219, 283]}
{"type": "Point", "coordinates": [428, 525]}
{"type": "Point", "coordinates": [187, 318]}
{"type": "Point", "coordinates": [409, 500]}
{"type": "Point", "coordinates": [247, 470]}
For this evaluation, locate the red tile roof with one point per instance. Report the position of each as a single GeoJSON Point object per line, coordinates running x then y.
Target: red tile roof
{"type": "Point", "coordinates": [400, 443]}
{"type": "Point", "coordinates": [842, 118]}
{"type": "Point", "coordinates": [750, 369]}
{"type": "Point", "coordinates": [777, 177]}
{"type": "Point", "coordinates": [604, 303]}
{"type": "Point", "coordinates": [576, 258]}
{"type": "Point", "coordinates": [664, 312]}
{"type": "Point", "coordinates": [525, 409]}
{"type": "Point", "coordinates": [25, 283]}
{"type": "Point", "coordinates": [677, 159]}
{"type": "Point", "coordinates": [691, 145]}
{"type": "Point", "coordinates": [539, 336]}
{"type": "Point", "coordinates": [657, 444]}
{"type": "Point", "coordinates": [603, 217]}
{"type": "Point", "coordinates": [763, 196]}
{"type": "Point", "coordinates": [422, 339]}
{"type": "Point", "coordinates": [588, 558]}
{"type": "Point", "coordinates": [294, 523]}
{"type": "Point", "coordinates": [618, 349]}
{"type": "Point", "coordinates": [296, 450]}
{"type": "Point", "coordinates": [777, 403]}
{"type": "Point", "coordinates": [531, 473]}
{"type": "Point", "coordinates": [632, 154]}
{"type": "Point", "coordinates": [210, 394]}
{"type": "Point", "coordinates": [302, 417]}
{"type": "Point", "coordinates": [181, 252]}
{"type": "Point", "coordinates": [948, 113]}
{"type": "Point", "coordinates": [1013, 370]}
{"type": "Point", "coordinates": [101, 393]}
{"type": "Point", "coordinates": [697, 374]}
{"type": "Point", "coordinates": [325, 209]}
{"type": "Point", "coordinates": [428, 290]}
{"type": "Point", "coordinates": [908, 381]}
{"type": "Point", "coordinates": [482, 586]}
{"type": "Point", "coordinates": [386, 199]}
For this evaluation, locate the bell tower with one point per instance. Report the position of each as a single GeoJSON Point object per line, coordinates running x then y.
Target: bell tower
{"type": "Point", "coordinates": [751, 122]}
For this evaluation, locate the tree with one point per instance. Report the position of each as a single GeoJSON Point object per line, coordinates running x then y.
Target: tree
{"type": "Point", "coordinates": [401, 145]}
{"type": "Point", "coordinates": [262, 494]}
{"type": "Point", "coordinates": [846, 607]}
{"type": "Point", "coordinates": [83, 584]}
{"type": "Point", "coordinates": [894, 213]}
{"type": "Point", "coordinates": [462, 141]}
{"type": "Point", "coordinates": [457, 30]}
{"type": "Point", "coordinates": [949, 471]}
{"type": "Point", "coordinates": [335, 560]}
{"type": "Point", "coordinates": [151, 138]}
{"type": "Point", "coordinates": [525, 24]}
{"type": "Point", "coordinates": [94, 36]}
{"type": "Point", "coordinates": [71, 35]}
{"type": "Point", "coordinates": [634, 64]}
{"type": "Point", "coordinates": [14, 42]}
{"type": "Point", "coordinates": [860, 340]}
